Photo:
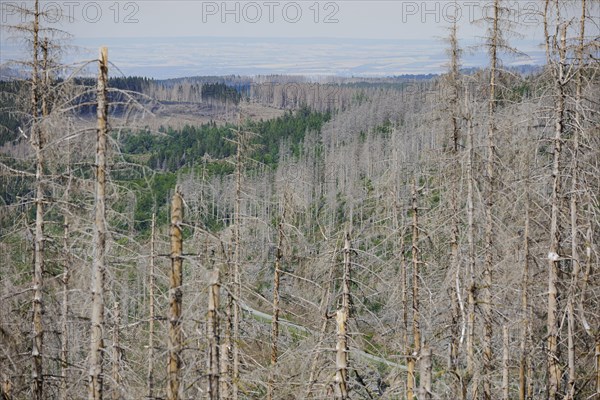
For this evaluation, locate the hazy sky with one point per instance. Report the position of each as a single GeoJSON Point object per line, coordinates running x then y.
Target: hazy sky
{"type": "Point", "coordinates": [393, 19]}
{"type": "Point", "coordinates": [402, 21]}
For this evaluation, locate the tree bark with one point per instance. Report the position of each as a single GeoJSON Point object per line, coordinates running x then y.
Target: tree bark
{"type": "Point", "coordinates": [64, 317]}
{"type": "Point", "coordinates": [312, 378]}
{"type": "Point", "coordinates": [404, 295]}
{"type": "Point", "coordinates": [213, 336]}
{"type": "Point", "coordinates": [416, 318]}
{"type": "Point", "coordinates": [152, 317]}
{"type": "Point", "coordinates": [347, 278]}
{"type": "Point", "coordinates": [175, 298]}
{"type": "Point", "coordinates": [525, 329]}
{"type": "Point", "coordinates": [341, 375]}
{"type": "Point", "coordinates": [342, 317]}
{"type": "Point", "coordinates": [46, 78]}
{"type": "Point", "coordinates": [226, 351]}
{"type": "Point", "coordinates": [458, 303]}
{"type": "Point", "coordinates": [486, 297]}
{"type": "Point", "coordinates": [425, 387]}
{"type": "Point", "coordinates": [116, 347]}
{"type": "Point", "coordinates": [66, 276]}
{"type": "Point", "coordinates": [552, 325]}
{"type": "Point", "coordinates": [505, 363]}
{"type": "Point", "coordinates": [7, 388]}
{"type": "Point", "coordinates": [275, 320]}
{"type": "Point", "coordinates": [471, 298]}
{"type": "Point", "coordinates": [237, 283]}
{"type": "Point", "coordinates": [597, 367]}
{"type": "Point", "coordinates": [575, 260]}
{"type": "Point", "coordinates": [37, 138]}
{"type": "Point", "coordinates": [99, 263]}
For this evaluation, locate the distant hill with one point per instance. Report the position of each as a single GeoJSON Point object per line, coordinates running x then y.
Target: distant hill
{"type": "Point", "coordinates": [8, 73]}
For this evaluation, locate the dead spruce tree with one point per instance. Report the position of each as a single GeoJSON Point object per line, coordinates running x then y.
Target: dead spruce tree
{"type": "Point", "coordinates": [175, 344]}
{"type": "Point", "coordinates": [500, 26]}
{"type": "Point", "coordinates": [152, 316]}
{"type": "Point", "coordinates": [426, 371]}
{"type": "Point", "coordinates": [231, 360]}
{"type": "Point", "coordinates": [471, 260]}
{"type": "Point", "coordinates": [36, 111]}
{"type": "Point", "coordinates": [558, 67]}
{"type": "Point", "coordinates": [276, 308]}
{"type": "Point", "coordinates": [64, 322]}
{"type": "Point", "coordinates": [31, 30]}
{"type": "Point", "coordinates": [323, 311]}
{"type": "Point", "coordinates": [415, 351]}
{"type": "Point", "coordinates": [117, 354]}
{"type": "Point", "coordinates": [486, 296]}
{"type": "Point", "coordinates": [525, 378]}
{"type": "Point", "coordinates": [37, 140]}
{"type": "Point", "coordinates": [342, 316]}
{"type": "Point", "coordinates": [96, 374]}
{"type": "Point", "coordinates": [453, 85]}
{"type": "Point", "coordinates": [214, 336]}
{"type": "Point", "coordinates": [574, 205]}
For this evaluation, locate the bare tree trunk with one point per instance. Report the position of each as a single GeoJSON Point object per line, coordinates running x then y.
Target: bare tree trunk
{"type": "Point", "coordinates": [226, 351]}
{"type": "Point", "coordinates": [341, 375]}
{"type": "Point", "coordinates": [589, 235]}
{"type": "Point", "coordinates": [347, 278]}
{"type": "Point", "coordinates": [66, 276]}
{"type": "Point", "coordinates": [34, 67]}
{"type": "Point", "coordinates": [486, 305]}
{"type": "Point", "coordinates": [575, 260]}
{"type": "Point", "coordinates": [404, 295]}
{"type": "Point", "coordinates": [584, 322]}
{"type": "Point", "coordinates": [459, 318]}
{"type": "Point", "coordinates": [554, 372]}
{"type": "Point", "coordinates": [275, 320]}
{"type": "Point", "coordinates": [237, 284]}
{"type": "Point", "coordinates": [570, 389]}
{"type": "Point", "coordinates": [458, 303]}
{"type": "Point", "coordinates": [554, 368]}
{"type": "Point", "coordinates": [116, 347]}
{"type": "Point", "coordinates": [505, 363]}
{"type": "Point", "coordinates": [471, 243]}
{"type": "Point", "coordinates": [598, 367]}
{"type": "Point", "coordinates": [64, 317]}
{"type": "Point", "coordinates": [584, 283]}
{"type": "Point", "coordinates": [425, 387]}
{"type": "Point", "coordinates": [403, 277]}
{"type": "Point", "coordinates": [416, 323]}
{"type": "Point", "coordinates": [525, 358]}
{"type": "Point", "coordinates": [37, 138]}
{"type": "Point", "coordinates": [7, 388]}
{"type": "Point", "coordinates": [312, 378]}
{"type": "Point", "coordinates": [151, 284]}
{"type": "Point", "coordinates": [410, 375]}
{"type": "Point", "coordinates": [99, 264]}
{"type": "Point", "coordinates": [213, 336]}
{"type": "Point", "coordinates": [46, 77]}
{"type": "Point", "coordinates": [530, 365]}
{"type": "Point", "coordinates": [175, 298]}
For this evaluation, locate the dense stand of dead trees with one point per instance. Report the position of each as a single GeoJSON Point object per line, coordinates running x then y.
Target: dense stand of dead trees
{"type": "Point", "coordinates": [484, 354]}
